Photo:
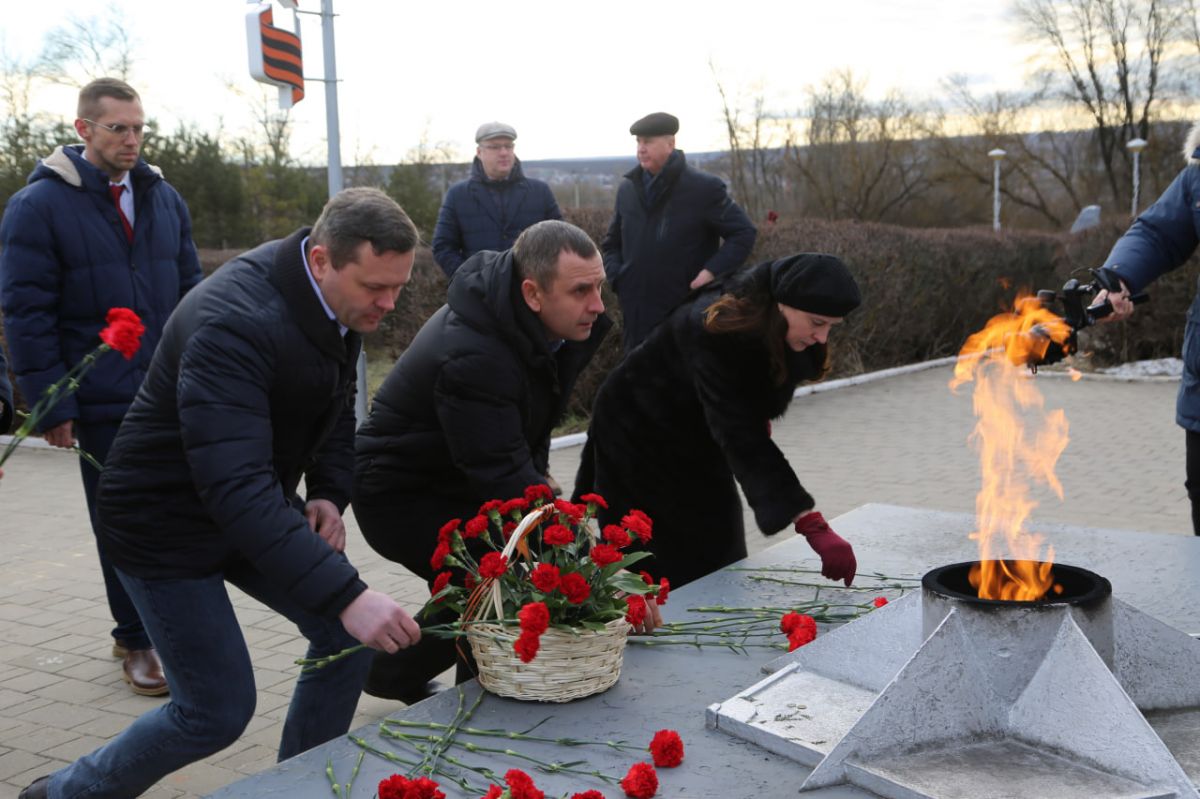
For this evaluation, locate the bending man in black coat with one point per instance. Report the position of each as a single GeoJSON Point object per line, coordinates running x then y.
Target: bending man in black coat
{"type": "Point", "coordinates": [250, 390]}
{"type": "Point", "coordinates": [689, 411]}
{"type": "Point", "coordinates": [466, 414]}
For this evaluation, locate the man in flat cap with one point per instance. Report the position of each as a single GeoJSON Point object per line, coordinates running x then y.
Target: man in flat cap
{"type": "Point", "coordinates": [488, 210]}
{"type": "Point", "coordinates": [674, 229]}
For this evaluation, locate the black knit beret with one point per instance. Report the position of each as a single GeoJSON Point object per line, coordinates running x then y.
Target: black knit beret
{"type": "Point", "coordinates": [656, 124]}
{"type": "Point", "coordinates": [816, 283]}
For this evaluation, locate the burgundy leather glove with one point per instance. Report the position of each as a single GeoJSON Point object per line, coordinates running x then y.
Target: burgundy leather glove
{"type": "Point", "coordinates": [837, 556]}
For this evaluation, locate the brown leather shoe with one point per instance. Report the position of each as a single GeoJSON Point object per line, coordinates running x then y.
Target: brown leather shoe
{"type": "Point", "coordinates": [143, 671]}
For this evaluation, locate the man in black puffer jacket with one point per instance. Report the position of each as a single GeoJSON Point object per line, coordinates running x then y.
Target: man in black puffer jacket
{"type": "Point", "coordinates": [250, 390]}
{"type": "Point", "coordinates": [466, 414]}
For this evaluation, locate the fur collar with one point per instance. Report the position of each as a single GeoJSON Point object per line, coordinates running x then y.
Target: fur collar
{"type": "Point", "coordinates": [1190, 144]}
{"type": "Point", "coordinates": [61, 164]}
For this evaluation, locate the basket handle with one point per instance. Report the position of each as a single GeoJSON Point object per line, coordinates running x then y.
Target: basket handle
{"type": "Point", "coordinates": [531, 520]}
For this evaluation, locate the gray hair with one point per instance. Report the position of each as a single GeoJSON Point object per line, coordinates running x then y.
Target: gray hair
{"type": "Point", "coordinates": [538, 247]}
{"type": "Point", "coordinates": [360, 214]}
{"type": "Point", "coordinates": [90, 95]}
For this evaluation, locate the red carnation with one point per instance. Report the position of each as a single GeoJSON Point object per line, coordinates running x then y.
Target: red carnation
{"type": "Point", "coordinates": [616, 536]}
{"type": "Point", "coordinates": [800, 629]}
{"type": "Point", "coordinates": [534, 617]}
{"type": "Point", "coordinates": [570, 510]}
{"type": "Point", "coordinates": [667, 749]}
{"type": "Point", "coordinates": [592, 794]}
{"type": "Point", "coordinates": [545, 577]}
{"type": "Point", "coordinates": [664, 588]}
{"type": "Point", "coordinates": [507, 530]}
{"type": "Point", "coordinates": [526, 646]}
{"type": "Point", "coordinates": [513, 506]}
{"type": "Point", "coordinates": [639, 524]}
{"type": "Point", "coordinates": [124, 331]}
{"type": "Point", "coordinates": [448, 530]}
{"type": "Point", "coordinates": [520, 785]}
{"type": "Point", "coordinates": [646, 578]}
{"type": "Point", "coordinates": [475, 526]}
{"type": "Point", "coordinates": [575, 588]}
{"type": "Point", "coordinates": [489, 506]}
{"type": "Point", "coordinates": [400, 787]}
{"type": "Point", "coordinates": [880, 601]}
{"type": "Point", "coordinates": [604, 554]}
{"type": "Point", "coordinates": [558, 535]}
{"type": "Point", "coordinates": [641, 782]}
{"type": "Point", "coordinates": [424, 788]}
{"type": "Point", "coordinates": [440, 582]}
{"type": "Point", "coordinates": [439, 556]}
{"type": "Point", "coordinates": [637, 609]}
{"type": "Point", "coordinates": [594, 498]}
{"type": "Point", "coordinates": [469, 581]}
{"type": "Point", "coordinates": [493, 792]}
{"type": "Point", "coordinates": [493, 564]}
{"type": "Point", "coordinates": [538, 491]}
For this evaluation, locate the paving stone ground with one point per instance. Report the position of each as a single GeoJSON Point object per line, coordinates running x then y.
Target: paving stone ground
{"type": "Point", "coordinates": [901, 440]}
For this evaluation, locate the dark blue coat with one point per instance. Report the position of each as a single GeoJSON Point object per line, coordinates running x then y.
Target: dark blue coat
{"type": "Point", "coordinates": [1162, 239]}
{"type": "Point", "coordinates": [652, 253]}
{"type": "Point", "coordinates": [6, 396]}
{"type": "Point", "coordinates": [65, 262]}
{"type": "Point", "coordinates": [251, 389]}
{"type": "Point", "coordinates": [482, 214]}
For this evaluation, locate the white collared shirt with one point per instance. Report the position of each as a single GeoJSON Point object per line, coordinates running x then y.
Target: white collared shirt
{"type": "Point", "coordinates": [316, 287]}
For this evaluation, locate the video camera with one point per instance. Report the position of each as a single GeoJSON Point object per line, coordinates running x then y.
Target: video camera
{"type": "Point", "coordinates": [1076, 313]}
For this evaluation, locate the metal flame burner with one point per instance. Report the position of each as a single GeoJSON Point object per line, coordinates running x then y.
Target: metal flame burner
{"type": "Point", "coordinates": [1079, 586]}
{"type": "Point", "coordinates": [942, 694]}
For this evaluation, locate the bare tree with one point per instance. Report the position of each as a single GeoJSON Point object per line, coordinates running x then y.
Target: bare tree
{"type": "Point", "coordinates": [863, 158]}
{"type": "Point", "coordinates": [1106, 58]}
{"type": "Point", "coordinates": [756, 139]}
{"type": "Point", "coordinates": [82, 50]}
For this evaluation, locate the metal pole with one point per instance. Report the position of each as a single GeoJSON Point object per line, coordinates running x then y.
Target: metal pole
{"type": "Point", "coordinates": [333, 136]}
{"type": "Point", "coordinates": [331, 102]}
{"type": "Point", "coordinates": [1136, 146]}
{"type": "Point", "coordinates": [997, 155]}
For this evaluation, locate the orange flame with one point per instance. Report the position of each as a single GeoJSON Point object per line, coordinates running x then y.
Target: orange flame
{"type": "Point", "coordinates": [1018, 443]}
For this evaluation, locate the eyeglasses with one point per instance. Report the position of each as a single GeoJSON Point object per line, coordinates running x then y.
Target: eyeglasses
{"type": "Point", "coordinates": [121, 131]}
{"type": "Point", "coordinates": [498, 147]}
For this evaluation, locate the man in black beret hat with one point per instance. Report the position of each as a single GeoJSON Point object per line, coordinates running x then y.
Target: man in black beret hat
{"type": "Point", "coordinates": [674, 229]}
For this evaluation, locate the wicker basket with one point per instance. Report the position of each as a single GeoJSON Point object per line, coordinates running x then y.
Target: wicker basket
{"type": "Point", "coordinates": [569, 664]}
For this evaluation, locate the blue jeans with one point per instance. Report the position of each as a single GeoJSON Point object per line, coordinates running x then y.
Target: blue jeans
{"type": "Point", "coordinates": [96, 439]}
{"type": "Point", "coordinates": [212, 685]}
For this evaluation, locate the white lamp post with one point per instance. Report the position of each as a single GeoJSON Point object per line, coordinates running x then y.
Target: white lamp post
{"type": "Point", "coordinates": [1136, 146]}
{"type": "Point", "coordinates": [997, 155]}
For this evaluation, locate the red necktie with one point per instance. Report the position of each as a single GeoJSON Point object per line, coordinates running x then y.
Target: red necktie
{"type": "Point", "coordinates": [115, 190]}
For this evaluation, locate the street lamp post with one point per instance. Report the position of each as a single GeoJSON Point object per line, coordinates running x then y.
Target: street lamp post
{"type": "Point", "coordinates": [1136, 146]}
{"type": "Point", "coordinates": [997, 155]}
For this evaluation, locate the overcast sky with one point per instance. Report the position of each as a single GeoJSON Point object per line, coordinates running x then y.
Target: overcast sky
{"type": "Point", "coordinates": [570, 76]}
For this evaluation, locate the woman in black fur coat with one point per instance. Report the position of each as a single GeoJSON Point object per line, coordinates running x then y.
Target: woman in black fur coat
{"type": "Point", "coordinates": [689, 411]}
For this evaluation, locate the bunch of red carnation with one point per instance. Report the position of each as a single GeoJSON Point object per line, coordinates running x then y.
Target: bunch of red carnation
{"type": "Point", "coordinates": [560, 573]}
{"type": "Point", "coordinates": [640, 782]}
